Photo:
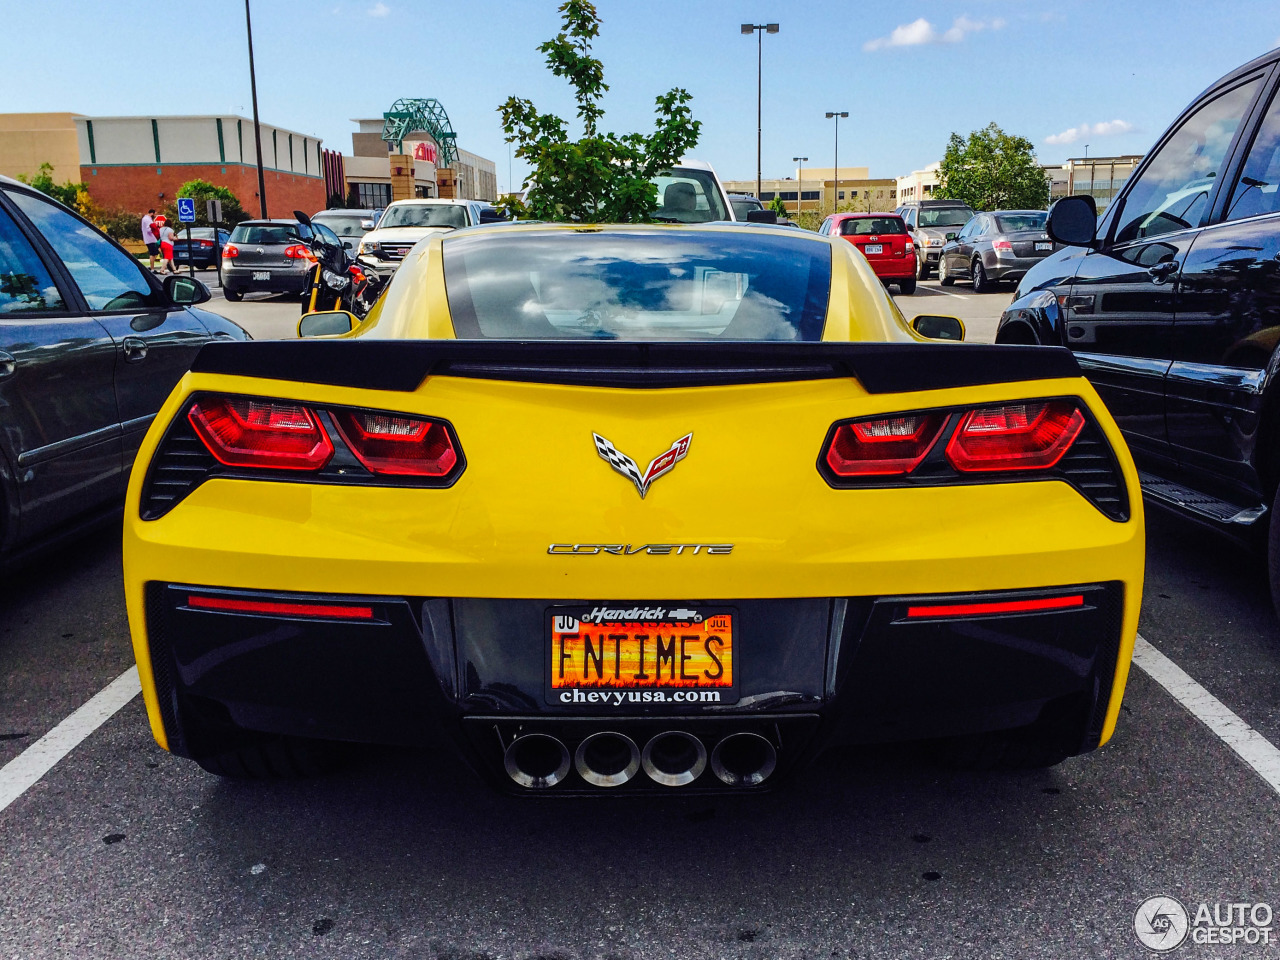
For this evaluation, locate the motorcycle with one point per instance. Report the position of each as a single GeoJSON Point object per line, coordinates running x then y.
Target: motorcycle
{"type": "Point", "coordinates": [338, 282]}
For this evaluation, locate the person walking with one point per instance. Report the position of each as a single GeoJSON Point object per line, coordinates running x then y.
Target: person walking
{"type": "Point", "coordinates": [149, 236]}
{"type": "Point", "coordinates": [166, 245]}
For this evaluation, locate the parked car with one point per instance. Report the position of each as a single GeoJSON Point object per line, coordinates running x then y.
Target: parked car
{"type": "Point", "coordinates": [996, 246]}
{"type": "Point", "coordinates": [883, 239]}
{"type": "Point", "coordinates": [268, 256]}
{"type": "Point", "coordinates": [91, 343]}
{"type": "Point", "coordinates": [743, 204]}
{"type": "Point", "coordinates": [204, 248]}
{"type": "Point", "coordinates": [405, 222]}
{"type": "Point", "coordinates": [350, 225]}
{"type": "Point", "coordinates": [1171, 304]}
{"type": "Point", "coordinates": [928, 222]}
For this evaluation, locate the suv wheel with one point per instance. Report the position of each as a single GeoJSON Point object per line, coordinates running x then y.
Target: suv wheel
{"type": "Point", "coordinates": [922, 267]}
{"type": "Point", "coordinates": [980, 282]}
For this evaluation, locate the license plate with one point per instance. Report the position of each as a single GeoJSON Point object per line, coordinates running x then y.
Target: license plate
{"type": "Point", "coordinates": [180, 256]}
{"type": "Point", "coordinates": [624, 656]}
{"type": "Point", "coordinates": [1044, 246]}
{"type": "Point", "coordinates": [874, 248]}
{"type": "Point", "coordinates": [262, 274]}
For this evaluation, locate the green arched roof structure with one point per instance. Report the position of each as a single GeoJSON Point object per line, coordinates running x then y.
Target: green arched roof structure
{"type": "Point", "coordinates": [406, 116]}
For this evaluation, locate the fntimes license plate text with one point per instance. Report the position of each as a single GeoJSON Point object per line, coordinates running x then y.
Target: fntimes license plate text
{"type": "Point", "coordinates": [629, 655]}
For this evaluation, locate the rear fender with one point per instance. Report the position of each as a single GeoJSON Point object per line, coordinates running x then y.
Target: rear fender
{"type": "Point", "coordinates": [1033, 319]}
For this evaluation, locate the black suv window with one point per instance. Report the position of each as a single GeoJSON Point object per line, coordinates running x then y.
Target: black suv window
{"type": "Point", "coordinates": [108, 277]}
{"type": "Point", "coordinates": [25, 284]}
{"type": "Point", "coordinates": [1256, 191]}
{"type": "Point", "coordinates": [1172, 192]}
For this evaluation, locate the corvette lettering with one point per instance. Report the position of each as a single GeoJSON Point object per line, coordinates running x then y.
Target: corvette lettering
{"type": "Point", "coordinates": [663, 463]}
{"type": "Point", "coordinates": [627, 550]}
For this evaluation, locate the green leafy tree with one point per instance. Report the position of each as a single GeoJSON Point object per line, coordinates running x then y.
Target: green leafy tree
{"type": "Point", "coordinates": [202, 191]}
{"type": "Point", "coordinates": [778, 206]}
{"type": "Point", "coordinates": [992, 170]}
{"type": "Point", "coordinates": [599, 177]}
{"type": "Point", "coordinates": [67, 193]}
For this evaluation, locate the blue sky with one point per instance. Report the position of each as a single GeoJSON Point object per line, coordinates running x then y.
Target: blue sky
{"type": "Point", "coordinates": [909, 73]}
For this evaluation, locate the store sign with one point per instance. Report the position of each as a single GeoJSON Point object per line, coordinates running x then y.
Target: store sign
{"type": "Point", "coordinates": [424, 151]}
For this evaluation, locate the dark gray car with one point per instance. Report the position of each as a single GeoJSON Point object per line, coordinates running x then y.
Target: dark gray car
{"type": "Point", "coordinates": [1001, 245]}
{"type": "Point", "coordinates": [928, 222]}
{"type": "Point", "coordinates": [267, 256]}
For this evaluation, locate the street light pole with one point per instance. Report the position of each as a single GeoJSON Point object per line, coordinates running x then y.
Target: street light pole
{"type": "Point", "coordinates": [835, 194]}
{"type": "Point", "coordinates": [257, 132]}
{"type": "Point", "coordinates": [759, 29]}
{"type": "Point", "coordinates": [800, 183]}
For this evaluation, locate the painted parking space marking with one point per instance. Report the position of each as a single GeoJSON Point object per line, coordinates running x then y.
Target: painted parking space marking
{"type": "Point", "coordinates": [1247, 743]}
{"type": "Point", "coordinates": [26, 769]}
{"type": "Point", "coordinates": [945, 293]}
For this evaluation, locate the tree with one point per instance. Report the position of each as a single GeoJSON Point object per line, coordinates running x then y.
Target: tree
{"type": "Point", "coordinates": [992, 170]}
{"type": "Point", "coordinates": [600, 177]}
{"type": "Point", "coordinates": [68, 193]}
{"type": "Point", "coordinates": [778, 206]}
{"type": "Point", "coordinates": [201, 191]}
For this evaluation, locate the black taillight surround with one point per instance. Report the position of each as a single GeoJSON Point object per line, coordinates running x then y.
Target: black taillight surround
{"type": "Point", "coordinates": [182, 462]}
{"type": "Point", "coordinates": [1089, 465]}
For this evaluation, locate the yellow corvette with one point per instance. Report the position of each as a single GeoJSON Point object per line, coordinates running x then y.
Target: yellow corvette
{"type": "Point", "coordinates": [633, 508]}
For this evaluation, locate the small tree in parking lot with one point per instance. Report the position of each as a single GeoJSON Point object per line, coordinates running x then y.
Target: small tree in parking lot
{"type": "Point", "coordinates": [202, 191]}
{"type": "Point", "coordinates": [992, 170]}
{"type": "Point", "coordinates": [599, 177]}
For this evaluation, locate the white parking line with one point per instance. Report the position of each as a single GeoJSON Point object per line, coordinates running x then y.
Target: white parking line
{"type": "Point", "coordinates": [1247, 743]}
{"type": "Point", "coordinates": [945, 293]}
{"type": "Point", "coordinates": [26, 769]}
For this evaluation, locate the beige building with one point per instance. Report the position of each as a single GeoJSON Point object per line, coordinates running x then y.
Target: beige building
{"type": "Point", "coordinates": [368, 168]}
{"type": "Point", "coordinates": [1099, 177]}
{"type": "Point", "coordinates": [814, 189]}
{"type": "Point", "coordinates": [918, 184]}
{"type": "Point", "coordinates": [30, 139]}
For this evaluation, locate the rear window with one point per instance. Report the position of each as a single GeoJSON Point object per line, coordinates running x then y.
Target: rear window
{"type": "Point", "coordinates": [1014, 222]}
{"type": "Point", "coordinates": [944, 216]}
{"type": "Point", "coordinates": [637, 285]}
{"type": "Point", "coordinates": [424, 215]}
{"type": "Point", "coordinates": [866, 226]}
{"type": "Point", "coordinates": [266, 233]}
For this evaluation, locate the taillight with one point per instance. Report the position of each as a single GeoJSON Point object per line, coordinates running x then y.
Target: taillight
{"type": "Point", "coordinates": [244, 432]}
{"type": "Point", "coordinates": [911, 247]}
{"type": "Point", "coordinates": [205, 243]}
{"type": "Point", "coordinates": [280, 608]}
{"type": "Point", "coordinates": [888, 446]}
{"type": "Point", "coordinates": [229, 251]}
{"type": "Point", "coordinates": [1015, 436]}
{"type": "Point", "coordinates": [398, 445]}
{"type": "Point", "coordinates": [1002, 247]}
{"type": "Point", "coordinates": [298, 251]}
{"type": "Point", "coordinates": [356, 273]}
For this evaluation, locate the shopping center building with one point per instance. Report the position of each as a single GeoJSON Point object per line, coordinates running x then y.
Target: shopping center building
{"type": "Point", "coordinates": [368, 170]}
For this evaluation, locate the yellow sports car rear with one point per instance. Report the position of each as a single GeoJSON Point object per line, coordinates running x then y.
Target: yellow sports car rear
{"type": "Point", "coordinates": [632, 509]}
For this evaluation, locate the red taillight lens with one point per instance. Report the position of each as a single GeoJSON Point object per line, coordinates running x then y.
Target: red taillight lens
{"type": "Point", "coordinates": [229, 251]}
{"type": "Point", "coordinates": [888, 446]}
{"type": "Point", "coordinates": [205, 243]}
{"type": "Point", "coordinates": [1002, 246]}
{"type": "Point", "coordinates": [244, 432]}
{"type": "Point", "coordinates": [1015, 436]}
{"type": "Point", "coordinates": [279, 608]}
{"type": "Point", "coordinates": [357, 274]}
{"type": "Point", "coordinates": [398, 445]}
{"type": "Point", "coordinates": [980, 609]}
{"type": "Point", "coordinates": [298, 251]}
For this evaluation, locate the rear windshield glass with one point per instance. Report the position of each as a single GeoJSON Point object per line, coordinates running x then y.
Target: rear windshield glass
{"type": "Point", "coordinates": [742, 207]}
{"type": "Point", "coordinates": [266, 233]}
{"type": "Point", "coordinates": [689, 196]}
{"type": "Point", "coordinates": [944, 216]}
{"type": "Point", "coordinates": [866, 226]}
{"type": "Point", "coordinates": [345, 225]}
{"type": "Point", "coordinates": [1014, 222]}
{"type": "Point", "coordinates": [424, 215]}
{"type": "Point", "coordinates": [637, 285]}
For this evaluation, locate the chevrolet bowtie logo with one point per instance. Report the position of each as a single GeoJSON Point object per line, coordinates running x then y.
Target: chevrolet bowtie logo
{"type": "Point", "coordinates": [631, 470]}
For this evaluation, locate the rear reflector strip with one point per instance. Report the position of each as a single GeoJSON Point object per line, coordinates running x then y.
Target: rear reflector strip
{"type": "Point", "coordinates": [279, 609]}
{"type": "Point", "coordinates": [1002, 606]}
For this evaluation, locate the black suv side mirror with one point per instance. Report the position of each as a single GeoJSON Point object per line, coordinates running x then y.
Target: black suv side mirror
{"type": "Point", "coordinates": [1073, 221]}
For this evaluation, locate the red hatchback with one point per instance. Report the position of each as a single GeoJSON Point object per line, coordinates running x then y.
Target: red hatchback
{"type": "Point", "coordinates": [883, 240]}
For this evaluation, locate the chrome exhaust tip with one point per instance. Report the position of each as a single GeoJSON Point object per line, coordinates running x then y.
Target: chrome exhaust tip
{"type": "Point", "coordinates": [536, 761]}
{"type": "Point", "coordinates": [607, 759]}
{"type": "Point", "coordinates": [743, 759]}
{"type": "Point", "coordinates": [674, 758]}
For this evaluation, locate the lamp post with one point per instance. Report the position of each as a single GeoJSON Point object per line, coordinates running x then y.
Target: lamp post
{"type": "Point", "coordinates": [800, 183]}
{"type": "Point", "coordinates": [759, 29]}
{"type": "Point", "coordinates": [835, 194]}
{"type": "Point", "coordinates": [257, 132]}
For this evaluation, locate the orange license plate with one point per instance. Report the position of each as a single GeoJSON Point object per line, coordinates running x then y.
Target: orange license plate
{"type": "Point", "coordinates": [630, 655]}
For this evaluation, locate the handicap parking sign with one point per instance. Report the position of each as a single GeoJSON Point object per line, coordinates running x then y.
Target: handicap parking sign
{"type": "Point", "coordinates": [186, 210]}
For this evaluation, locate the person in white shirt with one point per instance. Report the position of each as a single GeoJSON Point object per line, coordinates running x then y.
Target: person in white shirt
{"type": "Point", "coordinates": [149, 236]}
{"type": "Point", "coordinates": [166, 247]}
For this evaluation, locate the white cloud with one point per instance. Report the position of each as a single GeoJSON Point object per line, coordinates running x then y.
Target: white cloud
{"type": "Point", "coordinates": [921, 31]}
{"type": "Point", "coordinates": [379, 9]}
{"type": "Point", "coordinates": [1108, 128]}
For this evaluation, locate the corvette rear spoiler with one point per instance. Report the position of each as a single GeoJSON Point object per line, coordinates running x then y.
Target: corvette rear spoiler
{"type": "Point", "coordinates": [402, 365]}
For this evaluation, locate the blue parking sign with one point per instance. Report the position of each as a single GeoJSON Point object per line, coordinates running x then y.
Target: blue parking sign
{"type": "Point", "coordinates": [186, 210]}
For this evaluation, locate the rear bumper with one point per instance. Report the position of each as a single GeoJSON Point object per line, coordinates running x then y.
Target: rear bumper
{"type": "Point", "coordinates": [896, 268]}
{"type": "Point", "coordinates": [283, 279]}
{"type": "Point", "coordinates": [813, 672]}
{"type": "Point", "coordinates": [1009, 268]}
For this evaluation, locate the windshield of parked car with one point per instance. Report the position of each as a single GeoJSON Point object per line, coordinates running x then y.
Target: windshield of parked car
{"type": "Point", "coordinates": [267, 233]}
{"type": "Point", "coordinates": [866, 226]}
{"type": "Point", "coordinates": [689, 196]}
{"type": "Point", "coordinates": [944, 216]}
{"type": "Point", "coordinates": [344, 224]}
{"type": "Point", "coordinates": [424, 215]}
{"type": "Point", "coordinates": [1015, 222]}
{"type": "Point", "coordinates": [742, 207]}
{"type": "Point", "coordinates": [637, 285]}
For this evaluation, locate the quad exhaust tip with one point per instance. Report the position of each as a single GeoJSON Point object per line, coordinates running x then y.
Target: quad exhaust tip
{"type": "Point", "coordinates": [536, 761]}
{"type": "Point", "coordinates": [607, 759]}
{"type": "Point", "coordinates": [743, 759]}
{"type": "Point", "coordinates": [674, 758]}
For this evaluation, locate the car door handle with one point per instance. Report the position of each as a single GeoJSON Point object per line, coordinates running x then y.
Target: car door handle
{"type": "Point", "coordinates": [135, 350]}
{"type": "Point", "coordinates": [8, 364]}
{"type": "Point", "coordinates": [1163, 271]}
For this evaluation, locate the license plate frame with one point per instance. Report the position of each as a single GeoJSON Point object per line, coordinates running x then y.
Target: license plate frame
{"type": "Point", "coordinates": [262, 275]}
{"type": "Point", "coordinates": [1042, 245]}
{"type": "Point", "coordinates": [679, 667]}
{"type": "Point", "coordinates": [873, 248]}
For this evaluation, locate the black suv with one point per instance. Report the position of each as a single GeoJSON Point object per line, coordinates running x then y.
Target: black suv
{"type": "Point", "coordinates": [929, 222]}
{"type": "Point", "coordinates": [1171, 304]}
